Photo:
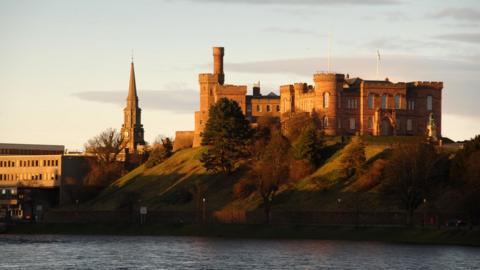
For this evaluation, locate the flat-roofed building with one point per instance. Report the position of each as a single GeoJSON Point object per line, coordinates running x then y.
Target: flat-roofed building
{"type": "Point", "coordinates": [37, 174]}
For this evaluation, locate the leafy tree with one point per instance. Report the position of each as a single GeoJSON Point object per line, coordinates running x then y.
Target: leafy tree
{"type": "Point", "coordinates": [227, 133]}
{"type": "Point", "coordinates": [106, 147]}
{"type": "Point", "coordinates": [353, 159]}
{"type": "Point", "coordinates": [410, 176]}
{"type": "Point", "coordinates": [309, 145]}
{"type": "Point", "coordinates": [160, 152]}
{"type": "Point", "coordinates": [465, 175]}
{"type": "Point", "coordinates": [272, 170]}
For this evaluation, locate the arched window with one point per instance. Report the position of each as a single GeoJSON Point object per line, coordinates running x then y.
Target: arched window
{"type": "Point", "coordinates": [278, 108]}
{"type": "Point", "coordinates": [326, 99]}
{"type": "Point", "coordinates": [370, 101]}
{"type": "Point", "coordinates": [325, 121]}
{"type": "Point", "coordinates": [268, 108]}
{"type": "Point", "coordinates": [429, 103]}
{"type": "Point", "coordinates": [398, 101]}
{"type": "Point", "coordinates": [384, 101]}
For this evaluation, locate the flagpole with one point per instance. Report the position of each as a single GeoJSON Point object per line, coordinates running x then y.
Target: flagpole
{"type": "Point", "coordinates": [378, 66]}
{"type": "Point", "coordinates": [329, 49]}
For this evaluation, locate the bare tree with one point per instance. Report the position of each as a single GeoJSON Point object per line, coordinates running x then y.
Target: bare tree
{"type": "Point", "coordinates": [272, 170]}
{"type": "Point", "coordinates": [410, 176]}
{"type": "Point", "coordinates": [106, 146]}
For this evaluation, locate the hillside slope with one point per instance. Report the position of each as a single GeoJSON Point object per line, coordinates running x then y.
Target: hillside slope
{"type": "Point", "coordinates": [179, 182]}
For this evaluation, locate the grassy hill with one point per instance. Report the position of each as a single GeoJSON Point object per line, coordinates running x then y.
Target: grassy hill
{"type": "Point", "coordinates": [175, 184]}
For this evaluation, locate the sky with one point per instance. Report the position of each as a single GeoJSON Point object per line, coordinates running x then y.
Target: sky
{"type": "Point", "coordinates": [64, 65]}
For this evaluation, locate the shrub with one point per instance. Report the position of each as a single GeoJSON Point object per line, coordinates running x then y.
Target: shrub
{"type": "Point", "coordinates": [372, 176]}
{"type": "Point", "coordinates": [299, 169]}
{"type": "Point", "coordinates": [243, 188]}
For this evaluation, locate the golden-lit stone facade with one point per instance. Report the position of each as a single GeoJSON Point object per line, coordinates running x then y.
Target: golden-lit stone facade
{"type": "Point", "coordinates": [345, 106]}
{"type": "Point", "coordinates": [213, 88]}
{"type": "Point", "coordinates": [365, 107]}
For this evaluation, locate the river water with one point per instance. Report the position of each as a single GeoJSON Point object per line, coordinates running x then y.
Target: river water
{"type": "Point", "coordinates": [150, 252]}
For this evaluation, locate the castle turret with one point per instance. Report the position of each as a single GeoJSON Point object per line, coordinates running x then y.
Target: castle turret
{"type": "Point", "coordinates": [218, 53]}
{"type": "Point", "coordinates": [327, 88]}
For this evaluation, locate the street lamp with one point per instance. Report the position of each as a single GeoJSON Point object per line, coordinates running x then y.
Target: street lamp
{"type": "Point", "coordinates": [204, 201]}
{"type": "Point", "coordinates": [424, 211]}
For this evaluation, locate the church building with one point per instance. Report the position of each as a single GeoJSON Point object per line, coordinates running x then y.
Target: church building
{"type": "Point", "coordinates": [132, 128]}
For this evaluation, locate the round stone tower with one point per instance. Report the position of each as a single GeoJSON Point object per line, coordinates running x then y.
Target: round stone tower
{"type": "Point", "coordinates": [327, 89]}
{"type": "Point", "coordinates": [218, 53]}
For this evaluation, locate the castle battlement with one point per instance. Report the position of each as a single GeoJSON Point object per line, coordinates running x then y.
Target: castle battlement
{"type": "Point", "coordinates": [328, 76]}
{"type": "Point", "coordinates": [427, 84]}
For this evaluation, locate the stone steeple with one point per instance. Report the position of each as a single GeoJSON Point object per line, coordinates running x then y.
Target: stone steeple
{"type": "Point", "coordinates": [132, 128]}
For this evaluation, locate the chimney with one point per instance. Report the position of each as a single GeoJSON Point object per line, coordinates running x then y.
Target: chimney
{"type": "Point", "coordinates": [218, 53]}
{"type": "Point", "coordinates": [256, 89]}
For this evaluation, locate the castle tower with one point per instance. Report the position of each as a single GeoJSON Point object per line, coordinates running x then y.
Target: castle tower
{"type": "Point", "coordinates": [327, 88]}
{"type": "Point", "coordinates": [218, 53]}
{"type": "Point", "coordinates": [132, 128]}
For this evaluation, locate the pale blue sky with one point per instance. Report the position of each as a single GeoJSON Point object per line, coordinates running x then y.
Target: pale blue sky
{"type": "Point", "coordinates": [65, 64]}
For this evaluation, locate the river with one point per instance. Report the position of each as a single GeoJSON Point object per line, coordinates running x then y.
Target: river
{"type": "Point", "coordinates": [158, 252]}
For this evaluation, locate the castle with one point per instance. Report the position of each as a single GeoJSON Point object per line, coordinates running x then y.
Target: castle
{"type": "Point", "coordinates": [345, 106]}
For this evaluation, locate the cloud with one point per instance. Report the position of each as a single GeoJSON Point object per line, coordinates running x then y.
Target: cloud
{"type": "Point", "coordinates": [361, 64]}
{"type": "Point", "coordinates": [293, 31]}
{"type": "Point", "coordinates": [401, 44]}
{"type": "Point", "coordinates": [461, 37]}
{"type": "Point", "coordinates": [461, 14]}
{"type": "Point", "coordinates": [179, 101]}
{"type": "Point", "coordinates": [305, 2]}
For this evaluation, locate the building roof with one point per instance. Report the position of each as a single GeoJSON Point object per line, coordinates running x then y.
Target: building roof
{"type": "Point", "coordinates": [42, 147]}
{"type": "Point", "coordinates": [270, 95]}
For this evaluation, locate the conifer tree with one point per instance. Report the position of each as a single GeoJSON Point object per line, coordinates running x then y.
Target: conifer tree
{"type": "Point", "coordinates": [309, 145]}
{"type": "Point", "coordinates": [227, 133]}
{"type": "Point", "coordinates": [353, 159]}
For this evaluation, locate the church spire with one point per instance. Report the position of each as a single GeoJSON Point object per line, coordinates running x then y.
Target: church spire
{"type": "Point", "coordinates": [132, 128]}
{"type": "Point", "coordinates": [132, 89]}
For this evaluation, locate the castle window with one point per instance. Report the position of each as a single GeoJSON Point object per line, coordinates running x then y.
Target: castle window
{"type": "Point", "coordinates": [409, 124]}
{"type": "Point", "coordinates": [326, 99]}
{"type": "Point", "coordinates": [268, 108]}
{"type": "Point", "coordinates": [325, 121]}
{"type": "Point", "coordinates": [370, 122]}
{"type": "Point", "coordinates": [411, 105]}
{"type": "Point", "coordinates": [339, 100]}
{"type": "Point", "coordinates": [384, 101]}
{"type": "Point", "coordinates": [398, 102]}
{"type": "Point", "coordinates": [278, 108]}
{"type": "Point", "coordinates": [429, 103]}
{"type": "Point", "coordinates": [370, 101]}
{"type": "Point", "coordinates": [259, 108]}
{"type": "Point", "coordinates": [352, 123]}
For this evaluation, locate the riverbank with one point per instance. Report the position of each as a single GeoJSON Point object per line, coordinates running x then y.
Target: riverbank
{"type": "Point", "coordinates": [383, 234]}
